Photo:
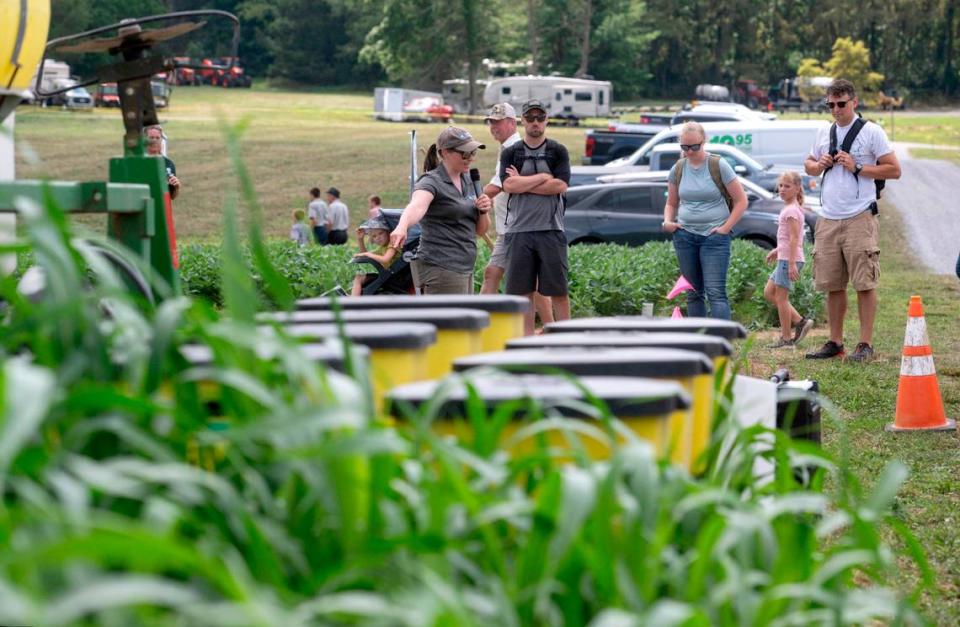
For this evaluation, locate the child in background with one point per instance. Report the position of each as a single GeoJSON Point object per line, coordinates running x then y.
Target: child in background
{"type": "Point", "coordinates": [373, 207]}
{"type": "Point", "coordinates": [379, 233]}
{"type": "Point", "coordinates": [789, 258]}
{"type": "Point", "coordinates": [299, 231]}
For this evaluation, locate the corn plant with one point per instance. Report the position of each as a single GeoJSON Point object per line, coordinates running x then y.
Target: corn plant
{"type": "Point", "coordinates": [263, 490]}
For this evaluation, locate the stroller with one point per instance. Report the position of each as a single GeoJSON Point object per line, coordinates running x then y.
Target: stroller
{"type": "Point", "coordinates": [396, 279]}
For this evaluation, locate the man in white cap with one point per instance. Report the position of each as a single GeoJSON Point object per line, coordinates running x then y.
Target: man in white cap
{"type": "Point", "coordinates": [502, 121]}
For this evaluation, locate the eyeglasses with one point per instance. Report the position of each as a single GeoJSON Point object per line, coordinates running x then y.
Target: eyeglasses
{"type": "Point", "coordinates": [536, 118]}
{"type": "Point", "coordinates": [691, 147]}
{"type": "Point", "coordinates": [466, 155]}
{"type": "Point", "coordinates": [839, 104]}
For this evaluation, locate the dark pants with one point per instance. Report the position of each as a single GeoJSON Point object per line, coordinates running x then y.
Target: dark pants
{"type": "Point", "coordinates": [704, 261]}
{"type": "Point", "coordinates": [958, 266]}
{"type": "Point", "coordinates": [320, 234]}
{"type": "Point", "coordinates": [336, 238]}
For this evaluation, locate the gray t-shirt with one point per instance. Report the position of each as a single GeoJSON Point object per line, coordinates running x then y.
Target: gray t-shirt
{"type": "Point", "coordinates": [317, 210]}
{"type": "Point", "coordinates": [448, 231]}
{"type": "Point", "coordinates": [339, 216]}
{"type": "Point", "coordinates": [534, 212]}
{"type": "Point", "coordinates": [702, 206]}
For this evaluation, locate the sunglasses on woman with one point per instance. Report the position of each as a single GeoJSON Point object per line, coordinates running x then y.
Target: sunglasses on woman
{"type": "Point", "coordinates": [466, 156]}
{"type": "Point", "coordinates": [691, 147]}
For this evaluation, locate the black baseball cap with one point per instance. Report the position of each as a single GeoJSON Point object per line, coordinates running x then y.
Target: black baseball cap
{"type": "Point", "coordinates": [530, 105]}
{"type": "Point", "coordinates": [333, 191]}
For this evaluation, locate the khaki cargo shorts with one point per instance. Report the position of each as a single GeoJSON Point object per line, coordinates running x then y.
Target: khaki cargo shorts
{"type": "Point", "coordinates": [847, 251]}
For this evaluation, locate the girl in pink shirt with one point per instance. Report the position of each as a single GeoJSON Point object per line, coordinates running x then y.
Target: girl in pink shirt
{"type": "Point", "coordinates": [789, 259]}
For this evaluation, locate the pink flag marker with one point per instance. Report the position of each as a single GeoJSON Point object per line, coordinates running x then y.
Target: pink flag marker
{"type": "Point", "coordinates": [682, 285]}
{"type": "Point", "coordinates": [676, 315]}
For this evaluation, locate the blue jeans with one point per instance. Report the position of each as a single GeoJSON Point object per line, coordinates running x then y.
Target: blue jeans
{"type": "Point", "coordinates": [704, 261]}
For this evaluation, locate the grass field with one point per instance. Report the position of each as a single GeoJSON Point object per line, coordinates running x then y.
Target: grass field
{"type": "Point", "coordinates": [298, 140]}
{"type": "Point", "coordinates": [293, 142]}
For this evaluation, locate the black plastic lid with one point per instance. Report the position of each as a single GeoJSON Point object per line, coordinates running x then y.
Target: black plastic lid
{"type": "Point", "coordinates": [330, 354]}
{"type": "Point", "coordinates": [709, 345]}
{"type": "Point", "coordinates": [625, 396]}
{"type": "Point", "coordinates": [595, 362]}
{"type": "Point", "coordinates": [410, 335]}
{"type": "Point", "coordinates": [492, 303]}
{"type": "Point", "coordinates": [711, 326]}
{"type": "Point", "coordinates": [448, 318]}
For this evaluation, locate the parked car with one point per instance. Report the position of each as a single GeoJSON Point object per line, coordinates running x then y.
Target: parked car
{"type": "Point", "coordinates": [758, 198]}
{"type": "Point", "coordinates": [75, 98]}
{"type": "Point", "coordinates": [620, 140]}
{"type": "Point", "coordinates": [766, 176]}
{"type": "Point", "coordinates": [720, 112]}
{"type": "Point", "coordinates": [632, 214]}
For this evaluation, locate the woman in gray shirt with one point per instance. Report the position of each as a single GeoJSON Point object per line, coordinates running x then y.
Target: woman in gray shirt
{"type": "Point", "coordinates": [450, 215]}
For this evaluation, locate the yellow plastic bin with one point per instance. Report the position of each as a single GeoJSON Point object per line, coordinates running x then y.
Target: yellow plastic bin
{"type": "Point", "coordinates": [645, 406]}
{"type": "Point", "coordinates": [726, 329]}
{"type": "Point", "coordinates": [459, 331]}
{"type": "Point", "coordinates": [398, 352]}
{"type": "Point", "coordinates": [716, 348]}
{"type": "Point", "coordinates": [329, 354]}
{"type": "Point", "coordinates": [506, 312]}
{"type": "Point", "coordinates": [692, 370]}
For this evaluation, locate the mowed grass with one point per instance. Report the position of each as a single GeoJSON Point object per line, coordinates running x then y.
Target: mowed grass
{"type": "Point", "coordinates": [865, 400]}
{"type": "Point", "coordinates": [935, 153]}
{"type": "Point", "coordinates": [293, 141]}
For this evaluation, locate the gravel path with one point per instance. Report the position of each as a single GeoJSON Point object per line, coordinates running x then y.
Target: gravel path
{"type": "Point", "coordinates": [926, 196]}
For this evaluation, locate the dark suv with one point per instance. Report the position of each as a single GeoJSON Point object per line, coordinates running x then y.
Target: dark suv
{"type": "Point", "coordinates": [632, 214]}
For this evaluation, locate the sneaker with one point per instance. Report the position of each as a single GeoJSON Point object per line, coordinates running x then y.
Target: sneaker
{"type": "Point", "coordinates": [801, 328]}
{"type": "Point", "coordinates": [782, 343]}
{"type": "Point", "coordinates": [829, 350]}
{"type": "Point", "coordinates": [862, 353]}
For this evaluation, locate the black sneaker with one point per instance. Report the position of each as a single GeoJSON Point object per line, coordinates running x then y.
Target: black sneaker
{"type": "Point", "coordinates": [801, 328]}
{"type": "Point", "coordinates": [828, 351]}
{"type": "Point", "coordinates": [862, 353]}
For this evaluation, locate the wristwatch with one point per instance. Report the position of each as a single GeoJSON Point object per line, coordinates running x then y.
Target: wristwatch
{"type": "Point", "coordinates": [857, 168]}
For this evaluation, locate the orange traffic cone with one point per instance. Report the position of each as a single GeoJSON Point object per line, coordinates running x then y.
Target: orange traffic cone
{"type": "Point", "coordinates": [919, 405]}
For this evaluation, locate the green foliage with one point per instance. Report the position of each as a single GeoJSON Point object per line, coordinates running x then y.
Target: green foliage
{"type": "Point", "coordinates": [851, 60]}
{"type": "Point", "coordinates": [605, 279]}
{"type": "Point", "coordinates": [260, 489]}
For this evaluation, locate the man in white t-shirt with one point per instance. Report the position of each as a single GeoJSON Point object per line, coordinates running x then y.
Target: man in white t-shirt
{"type": "Point", "coordinates": [502, 121]}
{"type": "Point", "coordinates": [846, 238]}
{"type": "Point", "coordinates": [338, 218]}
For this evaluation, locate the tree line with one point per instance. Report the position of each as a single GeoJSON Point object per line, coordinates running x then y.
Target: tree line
{"type": "Point", "coordinates": [652, 48]}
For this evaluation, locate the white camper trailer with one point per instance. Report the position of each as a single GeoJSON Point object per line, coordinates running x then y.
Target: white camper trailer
{"type": "Point", "coordinates": [398, 104]}
{"type": "Point", "coordinates": [566, 98]}
{"type": "Point", "coordinates": [56, 75]}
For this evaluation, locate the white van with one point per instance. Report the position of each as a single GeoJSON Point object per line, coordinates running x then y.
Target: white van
{"type": "Point", "coordinates": [781, 142]}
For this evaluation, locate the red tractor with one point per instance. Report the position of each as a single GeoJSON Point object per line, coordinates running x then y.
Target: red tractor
{"type": "Point", "coordinates": [183, 75]}
{"type": "Point", "coordinates": [226, 72]}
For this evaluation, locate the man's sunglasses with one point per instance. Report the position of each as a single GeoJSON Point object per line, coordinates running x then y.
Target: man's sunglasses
{"type": "Point", "coordinates": [691, 147]}
{"type": "Point", "coordinates": [839, 104]}
{"type": "Point", "coordinates": [536, 118]}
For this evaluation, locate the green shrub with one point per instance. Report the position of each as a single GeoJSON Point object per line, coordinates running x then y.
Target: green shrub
{"type": "Point", "coordinates": [605, 279]}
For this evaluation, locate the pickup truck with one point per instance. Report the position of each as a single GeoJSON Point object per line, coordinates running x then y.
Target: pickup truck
{"type": "Point", "coordinates": [604, 146]}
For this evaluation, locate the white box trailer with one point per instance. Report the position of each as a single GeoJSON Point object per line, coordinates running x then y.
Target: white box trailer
{"type": "Point", "coordinates": [398, 104]}
{"type": "Point", "coordinates": [56, 75]}
{"type": "Point", "coordinates": [566, 98]}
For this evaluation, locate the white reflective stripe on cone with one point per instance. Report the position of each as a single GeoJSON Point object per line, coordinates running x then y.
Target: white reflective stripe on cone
{"type": "Point", "coordinates": [917, 366]}
{"type": "Point", "coordinates": [916, 334]}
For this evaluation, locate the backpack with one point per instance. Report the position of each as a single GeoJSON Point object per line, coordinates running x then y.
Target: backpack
{"type": "Point", "coordinates": [847, 144]}
{"type": "Point", "coordinates": [713, 164]}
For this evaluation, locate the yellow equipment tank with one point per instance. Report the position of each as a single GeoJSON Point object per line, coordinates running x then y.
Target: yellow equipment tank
{"type": "Point", "coordinates": [24, 25]}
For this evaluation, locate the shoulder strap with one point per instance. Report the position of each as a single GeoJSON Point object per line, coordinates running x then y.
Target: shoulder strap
{"type": "Point", "coordinates": [713, 164]}
{"type": "Point", "coordinates": [833, 138]}
{"type": "Point", "coordinates": [851, 135]}
{"type": "Point", "coordinates": [679, 165]}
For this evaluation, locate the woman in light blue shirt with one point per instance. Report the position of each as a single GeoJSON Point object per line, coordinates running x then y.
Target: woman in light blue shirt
{"type": "Point", "coordinates": [700, 217]}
